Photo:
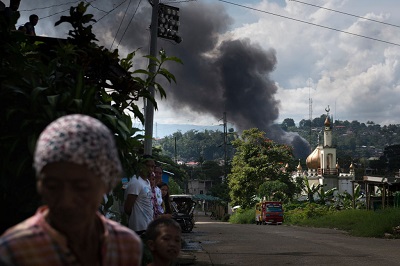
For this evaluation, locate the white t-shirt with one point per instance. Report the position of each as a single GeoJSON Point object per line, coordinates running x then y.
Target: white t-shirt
{"type": "Point", "coordinates": [158, 209]}
{"type": "Point", "coordinates": [142, 209]}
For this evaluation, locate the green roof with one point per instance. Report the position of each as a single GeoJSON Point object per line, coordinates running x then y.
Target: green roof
{"type": "Point", "coordinates": [205, 197]}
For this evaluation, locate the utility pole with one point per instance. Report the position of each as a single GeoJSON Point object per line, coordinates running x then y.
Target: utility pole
{"type": "Point", "coordinates": [176, 154]}
{"type": "Point", "coordinates": [149, 113]}
{"type": "Point", "coordinates": [225, 144]}
{"type": "Point", "coordinates": [164, 24]}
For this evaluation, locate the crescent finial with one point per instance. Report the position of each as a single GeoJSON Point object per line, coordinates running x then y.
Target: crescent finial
{"type": "Point", "coordinates": [327, 109]}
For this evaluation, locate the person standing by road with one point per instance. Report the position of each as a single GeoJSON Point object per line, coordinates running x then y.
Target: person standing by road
{"type": "Point", "coordinates": [138, 204]}
{"type": "Point", "coordinates": [166, 204]}
{"type": "Point", "coordinates": [76, 163]}
{"type": "Point", "coordinates": [156, 198]}
{"type": "Point", "coordinates": [158, 174]}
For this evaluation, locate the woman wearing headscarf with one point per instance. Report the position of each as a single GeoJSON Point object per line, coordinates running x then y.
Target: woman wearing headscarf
{"type": "Point", "coordinates": [76, 163]}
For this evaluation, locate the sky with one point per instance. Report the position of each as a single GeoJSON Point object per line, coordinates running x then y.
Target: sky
{"type": "Point", "coordinates": [259, 61]}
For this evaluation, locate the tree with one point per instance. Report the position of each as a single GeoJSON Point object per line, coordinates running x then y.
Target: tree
{"type": "Point", "coordinates": [44, 78]}
{"type": "Point", "coordinates": [287, 123]}
{"type": "Point", "coordinates": [311, 189]}
{"type": "Point", "coordinates": [305, 124]}
{"type": "Point", "coordinates": [193, 145]}
{"type": "Point", "coordinates": [257, 160]}
{"type": "Point", "coordinates": [273, 190]}
{"type": "Point", "coordinates": [213, 171]}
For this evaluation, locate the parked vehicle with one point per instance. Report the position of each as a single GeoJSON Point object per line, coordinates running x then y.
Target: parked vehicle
{"type": "Point", "coordinates": [269, 212]}
{"type": "Point", "coordinates": [259, 219]}
{"type": "Point", "coordinates": [183, 206]}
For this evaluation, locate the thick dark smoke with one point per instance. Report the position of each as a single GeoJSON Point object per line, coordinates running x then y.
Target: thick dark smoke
{"type": "Point", "coordinates": [231, 76]}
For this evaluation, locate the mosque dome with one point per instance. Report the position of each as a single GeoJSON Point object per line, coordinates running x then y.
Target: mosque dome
{"type": "Point", "coordinates": [314, 159]}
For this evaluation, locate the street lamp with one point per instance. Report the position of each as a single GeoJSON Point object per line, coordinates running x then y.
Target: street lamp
{"type": "Point", "coordinates": [168, 22]}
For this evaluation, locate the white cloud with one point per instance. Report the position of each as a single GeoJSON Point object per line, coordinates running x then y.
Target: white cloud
{"type": "Point", "coordinates": [359, 78]}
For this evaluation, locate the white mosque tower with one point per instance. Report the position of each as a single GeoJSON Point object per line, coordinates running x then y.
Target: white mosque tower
{"type": "Point", "coordinates": [322, 164]}
{"type": "Point", "coordinates": [328, 153]}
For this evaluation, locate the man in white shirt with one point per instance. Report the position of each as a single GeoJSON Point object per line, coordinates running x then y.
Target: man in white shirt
{"type": "Point", "coordinates": [138, 204]}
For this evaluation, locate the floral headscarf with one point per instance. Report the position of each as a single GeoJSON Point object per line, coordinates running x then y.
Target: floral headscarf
{"type": "Point", "coordinates": [82, 140]}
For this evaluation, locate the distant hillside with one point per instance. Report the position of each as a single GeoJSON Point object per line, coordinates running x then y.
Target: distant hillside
{"type": "Point", "coordinates": [163, 130]}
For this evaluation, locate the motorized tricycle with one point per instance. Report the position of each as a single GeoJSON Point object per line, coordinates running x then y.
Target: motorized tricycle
{"type": "Point", "coordinates": [183, 211]}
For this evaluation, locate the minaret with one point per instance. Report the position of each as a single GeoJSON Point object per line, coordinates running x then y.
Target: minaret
{"type": "Point", "coordinates": [299, 169]}
{"type": "Point", "coordinates": [351, 168]}
{"type": "Point", "coordinates": [327, 130]}
{"type": "Point", "coordinates": [328, 152]}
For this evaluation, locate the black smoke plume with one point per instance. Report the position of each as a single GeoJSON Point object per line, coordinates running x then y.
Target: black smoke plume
{"type": "Point", "coordinates": [218, 75]}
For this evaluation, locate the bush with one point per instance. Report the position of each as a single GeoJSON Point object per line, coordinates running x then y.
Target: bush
{"type": "Point", "coordinates": [305, 212]}
{"type": "Point", "coordinates": [357, 222]}
{"type": "Point", "coordinates": [243, 216]}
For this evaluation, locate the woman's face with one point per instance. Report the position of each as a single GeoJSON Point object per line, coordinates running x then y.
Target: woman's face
{"type": "Point", "coordinates": [164, 190]}
{"type": "Point", "coordinates": [73, 194]}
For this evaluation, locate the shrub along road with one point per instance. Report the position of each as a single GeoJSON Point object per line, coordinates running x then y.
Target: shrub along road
{"type": "Point", "coordinates": [220, 243]}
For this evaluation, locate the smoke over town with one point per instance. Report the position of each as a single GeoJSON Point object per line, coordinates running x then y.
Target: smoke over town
{"type": "Point", "coordinates": [229, 75]}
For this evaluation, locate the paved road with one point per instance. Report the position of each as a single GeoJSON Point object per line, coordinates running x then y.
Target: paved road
{"type": "Point", "coordinates": [218, 243]}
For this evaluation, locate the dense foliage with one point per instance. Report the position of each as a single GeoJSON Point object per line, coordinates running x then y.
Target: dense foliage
{"type": "Point", "coordinates": [364, 223]}
{"type": "Point", "coordinates": [42, 79]}
{"type": "Point", "coordinates": [258, 161]}
{"type": "Point", "coordinates": [197, 146]}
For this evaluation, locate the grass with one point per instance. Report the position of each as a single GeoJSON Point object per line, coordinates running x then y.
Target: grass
{"type": "Point", "coordinates": [357, 222]}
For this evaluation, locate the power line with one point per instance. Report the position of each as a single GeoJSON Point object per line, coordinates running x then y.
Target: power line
{"type": "Point", "coordinates": [90, 3]}
{"type": "Point", "coordinates": [110, 11]}
{"type": "Point", "coordinates": [348, 14]}
{"type": "Point", "coordinates": [46, 7]}
{"type": "Point", "coordinates": [65, 10]}
{"type": "Point", "coordinates": [177, 2]}
{"type": "Point", "coordinates": [310, 23]}
{"type": "Point", "coordinates": [62, 11]}
{"type": "Point", "coordinates": [127, 26]}
{"type": "Point", "coordinates": [122, 20]}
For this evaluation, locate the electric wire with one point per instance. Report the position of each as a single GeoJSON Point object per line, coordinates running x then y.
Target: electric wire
{"type": "Point", "coordinates": [231, 3]}
{"type": "Point", "coordinates": [117, 6]}
{"type": "Point", "coordinates": [348, 14]}
{"type": "Point", "coordinates": [95, 7]}
{"type": "Point", "coordinates": [120, 24]}
{"type": "Point", "coordinates": [46, 7]}
{"type": "Point", "coordinates": [177, 2]}
{"type": "Point", "coordinates": [127, 26]}
{"type": "Point", "coordinates": [309, 23]}
{"type": "Point", "coordinates": [65, 10]}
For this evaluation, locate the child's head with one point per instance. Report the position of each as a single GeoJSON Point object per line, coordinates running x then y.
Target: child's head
{"type": "Point", "coordinates": [164, 239]}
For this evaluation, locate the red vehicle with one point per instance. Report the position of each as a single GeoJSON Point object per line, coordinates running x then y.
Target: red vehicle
{"type": "Point", "coordinates": [272, 212]}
